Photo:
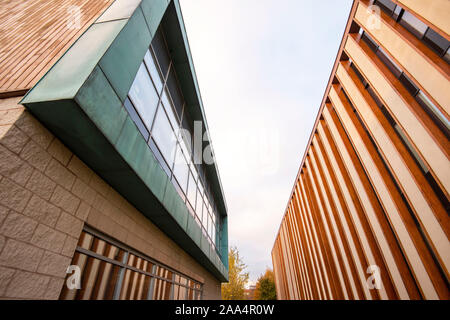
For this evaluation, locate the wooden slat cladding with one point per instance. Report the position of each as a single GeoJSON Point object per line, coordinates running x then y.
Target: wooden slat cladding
{"type": "Point", "coordinates": [372, 193]}
{"type": "Point", "coordinates": [34, 34]}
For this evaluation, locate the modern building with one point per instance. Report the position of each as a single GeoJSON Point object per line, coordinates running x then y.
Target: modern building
{"type": "Point", "coordinates": [102, 196]}
{"type": "Point", "coordinates": [368, 216]}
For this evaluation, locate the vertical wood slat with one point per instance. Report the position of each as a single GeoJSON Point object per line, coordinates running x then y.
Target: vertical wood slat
{"type": "Point", "coordinates": [416, 59]}
{"type": "Point", "coordinates": [391, 200]}
{"type": "Point", "coordinates": [399, 165]}
{"type": "Point", "coordinates": [372, 184]}
{"type": "Point", "coordinates": [425, 136]}
{"type": "Point", "coordinates": [409, 177]}
{"type": "Point", "coordinates": [352, 263]}
{"type": "Point", "coordinates": [311, 258]}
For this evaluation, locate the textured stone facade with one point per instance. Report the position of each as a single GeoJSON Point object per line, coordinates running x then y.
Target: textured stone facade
{"type": "Point", "coordinates": [47, 194]}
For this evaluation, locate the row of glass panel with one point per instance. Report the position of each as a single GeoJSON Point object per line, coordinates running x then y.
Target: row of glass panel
{"type": "Point", "coordinates": [419, 29]}
{"type": "Point", "coordinates": [151, 107]}
{"type": "Point", "coordinates": [110, 272]}
{"type": "Point", "coordinates": [424, 101]}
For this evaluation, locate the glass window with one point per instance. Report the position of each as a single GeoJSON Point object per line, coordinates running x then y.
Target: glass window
{"type": "Point", "coordinates": [161, 52]}
{"type": "Point", "coordinates": [163, 135]}
{"type": "Point", "coordinates": [204, 215]}
{"type": "Point", "coordinates": [174, 89]}
{"type": "Point", "coordinates": [159, 157]}
{"type": "Point", "coordinates": [194, 171]}
{"type": "Point", "coordinates": [181, 169]}
{"type": "Point", "coordinates": [386, 5]}
{"type": "Point", "coordinates": [144, 96]}
{"type": "Point", "coordinates": [210, 225]}
{"type": "Point", "coordinates": [409, 85]}
{"type": "Point", "coordinates": [436, 41]}
{"type": "Point", "coordinates": [136, 119]}
{"type": "Point", "coordinates": [397, 12]}
{"type": "Point", "coordinates": [358, 74]}
{"type": "Point", "coordinates": [103, 264]}
{"type": "Point", "coordinates": [430, 107]}
{"type": "Point", "coordinates": [154, 70]}
{"type": "Point", "coordinates": [169, 110]}
{"type": "Point", "coordinates": [372, 44]}
{"type": "Point", "coordinates": [200, 187]}
{"type": "Point", "coordinates": [192, 190]}
{"type": "Point", "coordinates": [395, 69]}
{"type": "Point", "coordinates": [374, 97]}
{"type": "Point", "coordinates": [414, 25]}
{"type": "Point", "coordinates": [447, 55]}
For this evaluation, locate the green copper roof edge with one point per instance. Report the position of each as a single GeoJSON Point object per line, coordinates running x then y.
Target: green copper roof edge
{"type": "Point", "coordinates": [28, 104]}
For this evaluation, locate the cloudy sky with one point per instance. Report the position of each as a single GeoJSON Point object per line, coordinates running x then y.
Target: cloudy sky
{"type": "Point", "coordinates": [262, 67]}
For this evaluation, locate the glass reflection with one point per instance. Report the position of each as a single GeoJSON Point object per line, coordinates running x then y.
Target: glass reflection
{"type": "Point", "coordinates": [144, 96]}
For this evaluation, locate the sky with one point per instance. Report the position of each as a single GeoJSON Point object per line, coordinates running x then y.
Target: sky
{"type": "Point", "coordinates": [262, 67]}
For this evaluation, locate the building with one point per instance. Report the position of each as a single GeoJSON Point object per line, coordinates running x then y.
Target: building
{"type": "Point", "coordinates": [92, 96]}
{"type": "Point", "coordinates": [249, 293]}
{"type": "Point", "coordinates": [368, 214]}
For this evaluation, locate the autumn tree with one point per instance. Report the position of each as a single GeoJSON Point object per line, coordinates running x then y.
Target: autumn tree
{"type": "Point", "coordinates": [234, 289]}
{"type": "Point", "coordinates": [265, 287]}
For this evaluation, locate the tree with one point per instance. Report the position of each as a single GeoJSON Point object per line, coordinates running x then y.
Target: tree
{"type": "Point", "coordinates": [234, 289]}
{"type": "Point", "coordinates": [265, 287]}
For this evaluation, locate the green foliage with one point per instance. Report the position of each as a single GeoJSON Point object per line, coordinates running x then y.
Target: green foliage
{"type": "Point", "coordinates": [265, 287]}
{"type": "Point", "coordinates": [234, 289]}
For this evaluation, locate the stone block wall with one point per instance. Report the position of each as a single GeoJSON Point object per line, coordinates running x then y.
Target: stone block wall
{"type": "Point", "coordinates": [47, 194]}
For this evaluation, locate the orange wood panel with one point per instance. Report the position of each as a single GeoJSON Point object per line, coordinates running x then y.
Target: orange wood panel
{"type": "Point", "coordinates": [376, 218]}
{"type": "Point", "coordinates": [34, 34]}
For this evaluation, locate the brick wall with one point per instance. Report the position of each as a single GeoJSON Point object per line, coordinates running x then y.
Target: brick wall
{"type": "Point", "coordinates": [47, 194]}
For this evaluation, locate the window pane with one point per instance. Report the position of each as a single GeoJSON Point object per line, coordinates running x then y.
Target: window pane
{"type": "Point", "coordinates": [204, 214]}
{"type": "Point", "coordinates": [372, 44]}
{"type": "Point", "coordinates": [136, 119]}
{"type": "Point", "coordinates": [200, 188]}
{"type": "Point", "coordinates": [194, 171]}
{"type": "Point", "coordinates": [154, 70]}
{"type": "Point", "coordinates": [386, 5]}
{"type": "Point", "coordinates": [431, 108]}
{"type": "Point", "coordinates": [144, 96]}
{"type": "Point", "coordinates": [159, 46]}
{"type": "Point", "coordinates": [175, 92]}
{"type": "Point", "coordinates": [447, 55]}
{"type": "Point", "coordinates": [181, 169]}
{"type": "Point", "coordinates": [210, 226]}
{"type": "Point", "coordinates": [397, 12]}
{"type": "Point", "coordinates": [182, 140]}
{"type": "Point", "coordinates": [395, 69]}
{"type": "Point", "coordinates": [414, 25]}
{"type": "Point", "coordinates": [164, 136]}
{"type": "Point", "coordinates": [436, 41]}
{"type": "Point", "coordinates": [159, 156]}
{"type": "Point", "coordinates": [169, 110]}
{"type": "Point", "coordinates": [192, 190]}
{"type": "Point", "coordinates": [409, 85]}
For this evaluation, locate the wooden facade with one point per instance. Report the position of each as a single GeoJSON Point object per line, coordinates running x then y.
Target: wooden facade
{"type": "Point", "coordinates": [372, 194]}
{"type": "Point", "coordinates": [34, 34]}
